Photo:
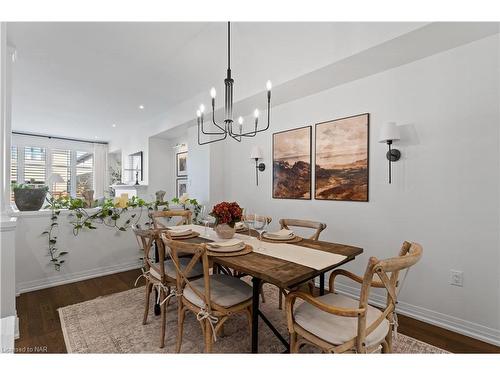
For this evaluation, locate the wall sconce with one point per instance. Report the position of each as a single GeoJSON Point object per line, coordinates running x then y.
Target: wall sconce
{"type": "Point", "coordinates": [388, 134]}
{"type": "Point", "coordinates": [257, 154]}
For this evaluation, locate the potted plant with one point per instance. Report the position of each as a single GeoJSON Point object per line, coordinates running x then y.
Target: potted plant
{"type": "Point", "coordinates": [29, 197]}
{"type": "Point", "coordinates": [226, 216]}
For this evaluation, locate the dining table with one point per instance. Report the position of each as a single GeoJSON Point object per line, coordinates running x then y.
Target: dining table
{"type": "Point", "coordinates": [286, 265]}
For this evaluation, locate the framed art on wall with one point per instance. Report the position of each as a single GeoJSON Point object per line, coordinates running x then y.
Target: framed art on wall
{"type": "Point", "coordinates": [342, 159]}
{"type": "Point", "coordinates": [181, 164]}
{"type": "Point", "coordinates": [292, 164]}
{"type": "Point", "coordinates": [181, 187]}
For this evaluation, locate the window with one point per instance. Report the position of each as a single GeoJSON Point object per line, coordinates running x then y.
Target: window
{"type": "Point", "coordinates": [40, 165]}
{"type": "Point", "coordinates": [84, 172]}
{"type": "Point", "coordinates": [34, 165]}
{"type": "Point", "coordinates": [13, 165]}
{"type": "Point", "coordinates": [13, 169]}
{"type": "Point", "coordinates": [61, 164]}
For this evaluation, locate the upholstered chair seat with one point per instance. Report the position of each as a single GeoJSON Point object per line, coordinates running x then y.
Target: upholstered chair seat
{"type": "Point", "coordinates": [225, 291]}
{"type": "Point", "coordinates": [337, 329]}
{"type": "Point", "coordinates": [170, 270]}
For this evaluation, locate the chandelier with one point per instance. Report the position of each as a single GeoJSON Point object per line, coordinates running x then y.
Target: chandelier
{"type": "Point", "coordinates": [223, 130]}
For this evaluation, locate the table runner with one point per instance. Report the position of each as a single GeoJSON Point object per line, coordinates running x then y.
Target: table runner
{"type": "Point", "coordinates": [305, 256]}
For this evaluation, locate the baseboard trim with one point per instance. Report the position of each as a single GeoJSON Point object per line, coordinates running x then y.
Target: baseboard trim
{"type": "Point", "coordinates": [464, 327]}
{"type": "Point", "coordinates": [56, 280]}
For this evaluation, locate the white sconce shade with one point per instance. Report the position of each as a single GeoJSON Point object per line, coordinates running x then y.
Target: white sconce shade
{"type": "Point", "coordinates": [389, 132]}
{"type": "Point", "coordinates": [256, 153]}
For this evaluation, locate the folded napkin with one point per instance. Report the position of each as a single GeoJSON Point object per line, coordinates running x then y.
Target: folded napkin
{"type": "Point", "coordinates": [239, 225]}
{"type": "Point", "coordinates": [280, 235]}
{"type": "Point", "coordinates": [233, 244]}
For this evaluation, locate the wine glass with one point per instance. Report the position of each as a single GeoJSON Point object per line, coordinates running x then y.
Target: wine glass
{"type": "Point", "coordinates": [247, 219]}
{"type": "Point", "coordinates": [205, 218]}
{"type": "Point", "coordinates": [260, 225]}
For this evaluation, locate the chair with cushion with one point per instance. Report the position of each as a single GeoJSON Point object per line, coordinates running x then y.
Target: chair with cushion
{"type": "Point", "coordinates": [336, 323]}
{"type": "Point", "coordinates": [212, 298]}
{"type": "Point", "coordinates": [286, 224]}
{"type": "Point", "coordinates": [161, 274]}
{"type": "Point", "coordinates": [157, 216]}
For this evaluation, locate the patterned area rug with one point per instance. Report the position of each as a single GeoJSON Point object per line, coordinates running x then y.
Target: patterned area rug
{"type": "Point", "coordinates": [113, 324]}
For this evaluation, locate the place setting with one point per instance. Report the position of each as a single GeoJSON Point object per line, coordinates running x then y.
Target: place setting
{"type": "Point", "coordinates": [181, 232]}
{"type": "Point", "coordinates": [281, 236]}
{"type": "Point", "coordinates": [226, 248]}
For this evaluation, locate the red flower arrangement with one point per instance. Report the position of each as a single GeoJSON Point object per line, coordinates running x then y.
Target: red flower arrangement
{"type": "Point", "coordinates": [227, 213]}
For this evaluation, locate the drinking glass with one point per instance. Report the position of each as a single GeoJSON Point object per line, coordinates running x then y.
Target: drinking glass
{"type": "Point", "coordinates": [248, 219]}
{"type": "Point", "coordinates": [205, 218]}
{"type": "Point", "coordinates": [260, 225]}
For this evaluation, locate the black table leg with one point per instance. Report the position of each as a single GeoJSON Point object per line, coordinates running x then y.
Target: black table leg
{"type": "Point", "coordinates": [255, 314]}
{"type": "Point", "coordinates": [157, 308]}
{"type": "Point", "coordinates": [322, 284]}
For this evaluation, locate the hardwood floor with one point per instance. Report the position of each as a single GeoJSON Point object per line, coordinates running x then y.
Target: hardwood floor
{"type": "Point", "coordinates": [40, 329]}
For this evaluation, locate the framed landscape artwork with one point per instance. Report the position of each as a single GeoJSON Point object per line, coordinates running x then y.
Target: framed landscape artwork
{"type": "Point", "coordinates": [292, 164]}
{"type": "Point", "coordinates": [181, 187]}
{"type": "Point", "coordinates": [181, 164]}
{"type": "Point", "coordinates": [342, 159]}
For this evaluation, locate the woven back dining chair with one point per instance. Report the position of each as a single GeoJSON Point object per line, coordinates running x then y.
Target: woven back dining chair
{"type": "Point", "coordinates": [337, 324]}
{"type": "Point", "coordinates": [213, 298]}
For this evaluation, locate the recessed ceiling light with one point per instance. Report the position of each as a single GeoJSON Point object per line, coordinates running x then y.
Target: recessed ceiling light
{"type": "Point", "coordinates": [96, 137]}
{"type": "Point", "coordinates": [141, 106]}
{"type": "Point", "coordinates": [113, 125]}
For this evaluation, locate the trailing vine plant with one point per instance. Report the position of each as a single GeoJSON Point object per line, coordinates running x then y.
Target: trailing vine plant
{"type": "Point", "coordinates": [108, 213]}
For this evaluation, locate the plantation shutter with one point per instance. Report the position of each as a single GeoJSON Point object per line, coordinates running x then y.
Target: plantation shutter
{"type": "Point", "coordinates": [61, 165]}
{"type": "Point", "coordinates": [34, 165]}
{"type": "Point", "coordinates": [84, 172]}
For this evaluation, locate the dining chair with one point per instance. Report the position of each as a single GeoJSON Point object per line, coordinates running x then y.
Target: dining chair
{"type": "Point", "coordinates": [159, 273]}
{"type": "Point", "coordinates": [286, 224]}
{"type": "Point", "coordinates": [184, 215]}
{"type": "Point", "coordinates": [337, 324]}
{"type": "Point", "coordinates": [213, 298]}
{"type": "Point", "coordinates": [320, 227]}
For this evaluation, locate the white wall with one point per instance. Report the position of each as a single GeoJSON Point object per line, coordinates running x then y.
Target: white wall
{"type": "Point", "coordinates": [92, 253]}
{"type": "Point", "coordinates": [161, 166]}
{"type": "Point", "coordinates": [445, 191]}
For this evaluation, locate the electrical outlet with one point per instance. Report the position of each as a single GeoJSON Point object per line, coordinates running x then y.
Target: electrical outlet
{"type": "Point", "coordinates": [456, 278]}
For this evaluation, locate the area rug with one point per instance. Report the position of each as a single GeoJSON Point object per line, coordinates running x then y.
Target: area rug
{"type": "Point", "coordinates": [113, 324]}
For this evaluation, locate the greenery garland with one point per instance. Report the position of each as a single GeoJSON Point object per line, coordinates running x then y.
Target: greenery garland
{"type": "Point", "coordinates": [108, 213]}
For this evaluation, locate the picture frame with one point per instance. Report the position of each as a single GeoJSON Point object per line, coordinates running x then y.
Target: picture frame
{"type": "Point", "coordinates": [342, 159]}
{"type": "Point", "coordinates": [292, 164]}
{"type": "Point", "coordinates": [181, 187]}
{"type": "Point", "coordinates": [181, 160]}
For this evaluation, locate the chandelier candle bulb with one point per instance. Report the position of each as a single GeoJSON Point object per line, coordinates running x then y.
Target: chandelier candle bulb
{"type": "Point", "coordinates": [213, 93]}
{"type": "Point", "coordinates": [269, 85]}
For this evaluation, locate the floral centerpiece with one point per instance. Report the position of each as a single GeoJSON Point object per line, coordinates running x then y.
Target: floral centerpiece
{"type": "Point", "coordinates": [226, 216]}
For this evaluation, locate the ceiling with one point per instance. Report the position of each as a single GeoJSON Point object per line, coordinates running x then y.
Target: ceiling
{"type": "Point", "coordinates": [77, 79]}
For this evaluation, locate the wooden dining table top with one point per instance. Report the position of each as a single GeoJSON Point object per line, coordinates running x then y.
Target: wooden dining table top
{"type": "Point", "coordinates": [280, 272]}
